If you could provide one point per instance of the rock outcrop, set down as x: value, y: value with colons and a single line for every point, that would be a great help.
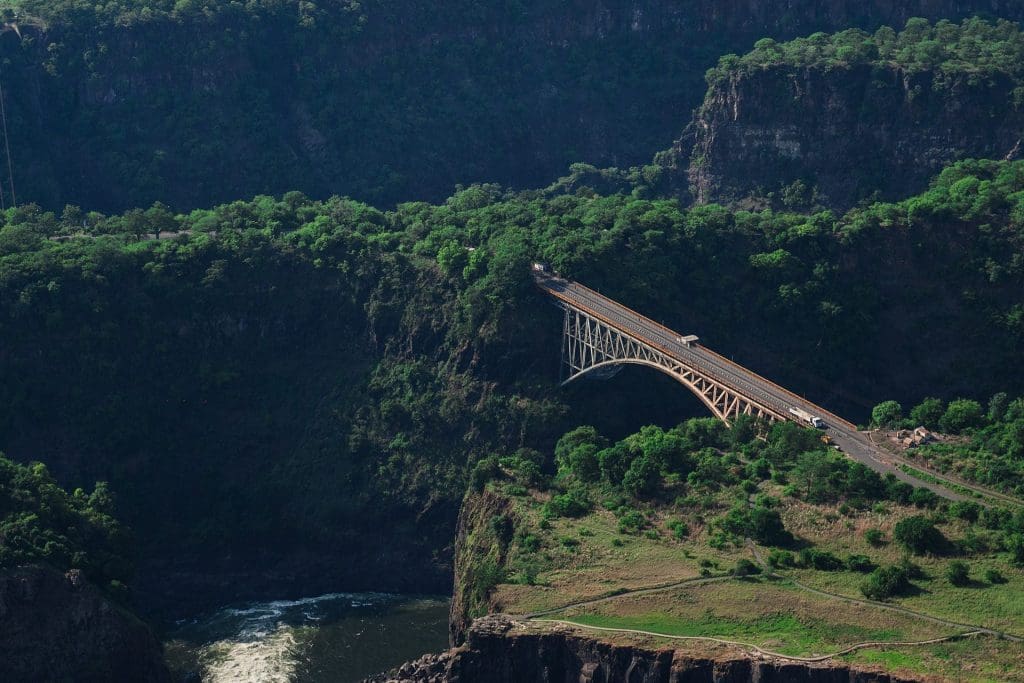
x: 478, y: 542
x: 58, y: 627
x: 846, y: 133
x: 501, y: 650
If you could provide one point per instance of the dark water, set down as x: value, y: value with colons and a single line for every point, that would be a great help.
x: 333, y: 638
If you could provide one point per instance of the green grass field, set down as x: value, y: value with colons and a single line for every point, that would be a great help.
x: 590, y: 558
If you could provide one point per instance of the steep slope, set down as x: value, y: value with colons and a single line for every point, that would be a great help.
x: 56, y: 627
x: 835, y: 120
x: 381, y: 101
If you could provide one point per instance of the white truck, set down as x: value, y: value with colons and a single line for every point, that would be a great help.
x: 807, y: 418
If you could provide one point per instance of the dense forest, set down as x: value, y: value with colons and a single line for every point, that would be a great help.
x: 381, y: 101
x: 41, y: 522
x: 275, y: 377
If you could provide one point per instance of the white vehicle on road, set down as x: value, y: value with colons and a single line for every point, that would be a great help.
x: 806, y: 417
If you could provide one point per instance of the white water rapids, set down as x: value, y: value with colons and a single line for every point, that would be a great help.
x: 337, y: 637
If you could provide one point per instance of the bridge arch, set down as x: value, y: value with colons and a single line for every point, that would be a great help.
x: 715, y: 410
x: 589, y: 344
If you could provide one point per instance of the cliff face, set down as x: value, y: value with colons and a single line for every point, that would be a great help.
x: 499, y: 650
x: 381, y: 101
x: 56, y: 627
x: 480, y: 548
x: 847, y: 133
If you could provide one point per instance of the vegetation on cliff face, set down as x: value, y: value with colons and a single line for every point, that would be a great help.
x: 42, y: 523
x: 287, y: 373
x: 838, y: 120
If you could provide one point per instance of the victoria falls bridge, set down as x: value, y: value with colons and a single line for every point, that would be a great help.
x: 599, y: 332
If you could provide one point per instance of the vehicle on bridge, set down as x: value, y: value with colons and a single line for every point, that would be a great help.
x: 806, y: 417
x: 688, y: 340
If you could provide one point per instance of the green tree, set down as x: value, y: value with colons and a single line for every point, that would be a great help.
x: 642, y: 478
x: 886, y: 582
x: 962, y: 414
x: 918, y: 535
x: 886, y: 414
x: 928, y: 412
x: 997, y: 406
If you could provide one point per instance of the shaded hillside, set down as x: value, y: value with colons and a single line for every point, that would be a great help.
x: 380, y: 101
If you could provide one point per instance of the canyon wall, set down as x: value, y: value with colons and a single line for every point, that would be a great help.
x: 381, y: 101
x: 845, y: 133
x: 501, y: 650
x: 57, y: 627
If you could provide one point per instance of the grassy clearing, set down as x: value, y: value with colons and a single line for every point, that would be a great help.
x: 600, y: 560
x: 999, y: 606
x: 576, y: 560
x: 762, y: 612
x: 971, y: 659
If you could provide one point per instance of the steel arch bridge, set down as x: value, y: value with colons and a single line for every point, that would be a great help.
x: 589, y: 344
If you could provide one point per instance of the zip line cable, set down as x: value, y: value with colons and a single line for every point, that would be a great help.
x: 7, y: 145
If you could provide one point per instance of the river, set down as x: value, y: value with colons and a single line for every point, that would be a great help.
x: 335, y: 638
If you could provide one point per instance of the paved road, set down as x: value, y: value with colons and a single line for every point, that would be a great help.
x: 754, y: 387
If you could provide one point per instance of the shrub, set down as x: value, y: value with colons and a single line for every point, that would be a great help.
x: 994, y: 576
x: 745, y: 567
x: 924, y: 498
x: 529, y: 543
x: 896, y: 490
x: 1015, y: 544
x: 820, y: 559
x: 918, y: 535
x: 632, y: 522
x: 573, y: 503
x: 885, y: 582
x: 759, y: 469
x: 483, y: 472
x: 502, y: 526
x: 528, y: 574
x: 874, y: 537
x: 781, y: 558
x: 958, y: 573
x: 965, y: 509
x: 618, y: 542
x: 678, y: 528
x: 569, y: 541
x: 860, y: 563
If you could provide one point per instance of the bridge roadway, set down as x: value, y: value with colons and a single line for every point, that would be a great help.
x: 739, y: 379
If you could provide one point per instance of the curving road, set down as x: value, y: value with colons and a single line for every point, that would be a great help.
x: 741, y: 380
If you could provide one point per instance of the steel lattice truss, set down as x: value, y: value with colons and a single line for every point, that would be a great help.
x: 589, y: 343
